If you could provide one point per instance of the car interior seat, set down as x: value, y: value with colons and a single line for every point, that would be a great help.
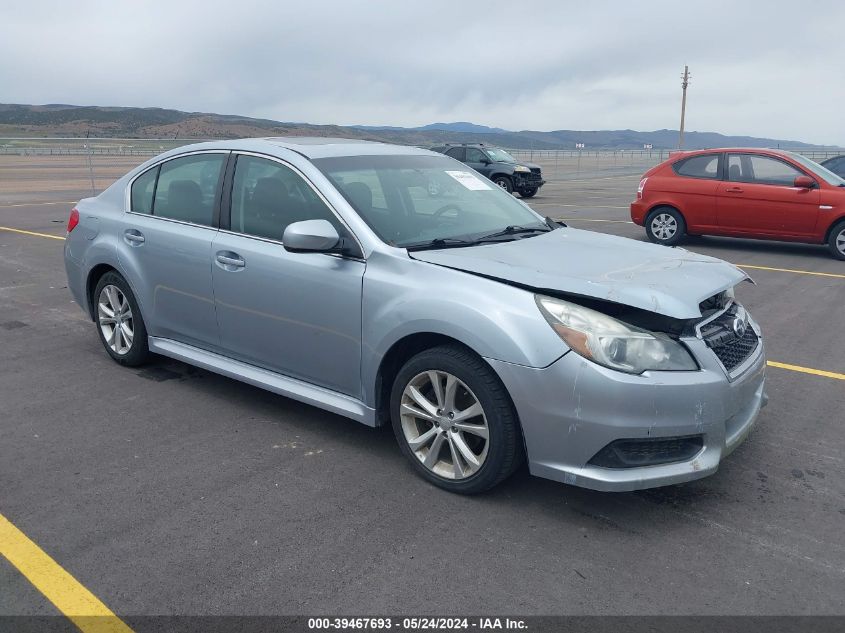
x: 265, y: 212
x: 184, y: 202
x: 734, y: 173
x: 361, y: 196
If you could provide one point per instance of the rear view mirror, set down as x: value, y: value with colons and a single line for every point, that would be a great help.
x: 310, y: 236
x: 804, y: 182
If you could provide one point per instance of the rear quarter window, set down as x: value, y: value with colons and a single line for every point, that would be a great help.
x: 141, y: 200
x: 706, y: 166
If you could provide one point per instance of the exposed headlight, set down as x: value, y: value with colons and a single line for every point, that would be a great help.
x: 522, y: 168
x: 612, y: 343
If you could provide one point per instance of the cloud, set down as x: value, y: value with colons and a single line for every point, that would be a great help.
x: 757, y: 69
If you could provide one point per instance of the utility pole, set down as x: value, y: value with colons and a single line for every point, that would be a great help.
x: 90, y: 165
x: 684, y: 85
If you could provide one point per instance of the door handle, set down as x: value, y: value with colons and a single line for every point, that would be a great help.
x: 734, y: 190
x: 229, y: 260
x: 133, y: 237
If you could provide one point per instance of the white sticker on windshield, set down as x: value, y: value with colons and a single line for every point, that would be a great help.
x: 468, y: 180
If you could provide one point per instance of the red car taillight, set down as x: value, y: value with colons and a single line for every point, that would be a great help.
x: 73, y: 220
x: 640, y: 189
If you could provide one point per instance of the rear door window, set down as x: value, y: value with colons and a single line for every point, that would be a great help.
x: 458, y: 153
x: 187, y: 188
x: 706, y: 166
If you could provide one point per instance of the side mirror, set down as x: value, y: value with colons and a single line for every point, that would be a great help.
x: 310, y: 236
x: 804, y: 182
x: 485, y: 161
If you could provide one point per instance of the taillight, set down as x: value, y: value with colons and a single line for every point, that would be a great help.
x: 73, y: 220
x: 640, y: 189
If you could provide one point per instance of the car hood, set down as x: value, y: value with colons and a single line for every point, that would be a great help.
x: 526, y: 164
x: 668, y: 281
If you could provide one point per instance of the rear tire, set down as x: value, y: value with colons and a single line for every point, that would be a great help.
x: 119, y: 322
x: 504, y: 182
x: 463, y: 434
x: 836, y: 241
x: 665, y: 225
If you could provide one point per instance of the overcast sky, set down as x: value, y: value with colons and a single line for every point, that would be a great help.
x: 771, y: 69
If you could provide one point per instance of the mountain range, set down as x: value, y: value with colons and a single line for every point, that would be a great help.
x: 19, y: 120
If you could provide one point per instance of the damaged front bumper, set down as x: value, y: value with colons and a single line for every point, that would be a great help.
x: 573, y: 409
x: 527, y: 181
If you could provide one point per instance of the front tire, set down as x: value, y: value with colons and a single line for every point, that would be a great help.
x: 665, y: 225
x: 454, y: 420
x: 836, y: 241
x: 119, y: 323
x: 504, y: 182
x: 529, y: 193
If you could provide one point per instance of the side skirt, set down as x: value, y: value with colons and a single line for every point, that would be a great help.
x: 277, y: 383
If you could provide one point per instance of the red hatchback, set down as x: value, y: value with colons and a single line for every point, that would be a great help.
x: 754, y: 193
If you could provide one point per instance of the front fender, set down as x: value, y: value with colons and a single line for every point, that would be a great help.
x: 403, y: 296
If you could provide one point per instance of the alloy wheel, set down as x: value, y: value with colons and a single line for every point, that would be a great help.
x: 444, y: 424
x: 114, y: 316
x: 840, y: 242
x: 664, y: 226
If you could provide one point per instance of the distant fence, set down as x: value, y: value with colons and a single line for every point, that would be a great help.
x: 77, y: 151
x: 656, y: 155
x: 151, y: 147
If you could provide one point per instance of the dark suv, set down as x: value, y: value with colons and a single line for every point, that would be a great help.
x: 499, y: 166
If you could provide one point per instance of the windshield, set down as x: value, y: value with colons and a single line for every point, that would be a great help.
x: 500, y: 156
x: 822, y: 172
x: 409, y: 200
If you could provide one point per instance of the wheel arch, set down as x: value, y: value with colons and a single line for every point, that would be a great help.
x: 498, y: 174
x: 94, y: 275
x: 409, y: 346
x: 836, y: 222
x: 93, y: 278
x: 664, y: 205
x: 396, y: 356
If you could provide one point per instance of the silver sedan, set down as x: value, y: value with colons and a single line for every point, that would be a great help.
x: 394, y: 285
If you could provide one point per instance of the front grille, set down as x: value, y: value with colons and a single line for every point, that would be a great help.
x: 733, y: 353
x: 720, y: 336
x: 535, y: 170
x: 632, y: 453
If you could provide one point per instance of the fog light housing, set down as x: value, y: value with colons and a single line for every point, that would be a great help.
x: 651, y: 451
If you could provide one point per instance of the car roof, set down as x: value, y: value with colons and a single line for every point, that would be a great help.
x: 309, y: 146
x: 741, y: 150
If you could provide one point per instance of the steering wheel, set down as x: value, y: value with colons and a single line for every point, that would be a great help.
x: 445, y: 208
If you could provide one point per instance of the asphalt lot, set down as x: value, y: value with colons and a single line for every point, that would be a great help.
x: 171, y: 490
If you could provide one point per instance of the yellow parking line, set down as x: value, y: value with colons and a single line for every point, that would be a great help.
x: 594, y: 220
x: 78, y: 604
x: 807, y: 370
x: 791, y: 270
x: 52, y: 237
x: 574, y: 206
x: 780, y: 270
x: 36, y: 204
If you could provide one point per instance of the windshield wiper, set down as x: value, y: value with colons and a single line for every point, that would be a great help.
x: 513, y: 229
x: 457, y: 242
x: 440, y: 242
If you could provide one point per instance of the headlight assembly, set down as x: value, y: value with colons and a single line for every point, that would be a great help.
x: 612, y: 343
x: 522, y: 168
